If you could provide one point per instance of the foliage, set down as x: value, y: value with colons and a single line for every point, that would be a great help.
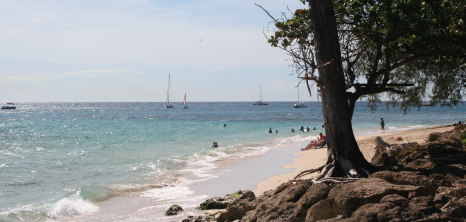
x: 463, y: 137
x: 384, y: 42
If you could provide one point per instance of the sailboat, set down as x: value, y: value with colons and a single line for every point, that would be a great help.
x: 168, y: 104
x: 260, y: 99
x: 185, y: 105
x: 299, y: 104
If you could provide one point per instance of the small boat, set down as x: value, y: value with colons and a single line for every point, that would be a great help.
x: 426, y: 103
x: 260, y: 99
x: 299, y: 104
x: 9, y: 106
x: 185, y: 105
x: 168, y: 104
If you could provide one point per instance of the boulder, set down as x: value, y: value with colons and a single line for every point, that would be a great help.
x: 222, y: 202
x: 281, y: 206
x: 173, y: 210
x: 420, y: 207
x: 235, y: 210
x: 437, y: 150
x: 214, y: 203
x: 382, y: 212
x: 201, y: 218
x: 395, y: 199
x: 324, y: 209
x: 349, y: 197
x: 313, y: 195
x: 455, y: 169
x: 455, y: 209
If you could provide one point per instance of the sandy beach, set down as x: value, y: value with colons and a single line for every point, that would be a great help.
x: 317, y: 157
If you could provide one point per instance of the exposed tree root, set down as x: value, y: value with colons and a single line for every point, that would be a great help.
x: 324, y: 176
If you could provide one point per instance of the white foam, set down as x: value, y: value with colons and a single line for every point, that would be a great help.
x: 168, y: 193
x: 71, y: 206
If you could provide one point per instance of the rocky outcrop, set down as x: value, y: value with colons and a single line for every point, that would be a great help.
x: 424, y: 183
x: 173, y: 210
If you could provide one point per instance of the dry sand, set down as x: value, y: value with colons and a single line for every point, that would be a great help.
x: 317, y: 157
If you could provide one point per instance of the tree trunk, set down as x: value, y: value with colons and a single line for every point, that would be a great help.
x: 343, y: 151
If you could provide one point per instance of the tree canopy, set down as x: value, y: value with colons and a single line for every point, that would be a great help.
x: 385, y: 43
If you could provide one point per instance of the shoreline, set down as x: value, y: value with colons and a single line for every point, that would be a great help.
x: 314, y: 158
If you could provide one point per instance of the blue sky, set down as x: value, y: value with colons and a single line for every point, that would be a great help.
x: 122, y: 51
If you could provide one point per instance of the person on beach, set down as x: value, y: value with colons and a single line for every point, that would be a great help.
x: 270, y: 130
x: 320, y: 140
x: 382, y: 124
x: 215, y: 145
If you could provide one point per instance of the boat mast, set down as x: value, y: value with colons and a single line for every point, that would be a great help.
x: 168, y: 90
x: 260, y: 93
x: 298, y: 93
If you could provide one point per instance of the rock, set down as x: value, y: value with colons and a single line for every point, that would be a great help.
x: 313, y: 195
x: 350, y: 197
x: 395, y: 199
x: 222, y: 202
x: 421, y: 206
x: 404, y: 178
x: 236, y: 210
x: 282, y: 206
x: 455, y: 208
x: 173, y: 210
x: 214, y: 203
x: 324, y: 209
x: 243, y: 194
x: 377, y: 212
x: 202, y: 218
x: 455, y: 169
x: 436, y: 150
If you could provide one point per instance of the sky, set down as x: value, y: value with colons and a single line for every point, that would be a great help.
x: 124, y: 50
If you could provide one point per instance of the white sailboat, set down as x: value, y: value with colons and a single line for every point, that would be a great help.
x: 168, y: 104
x: 260, y: 99
x: 299, y: 104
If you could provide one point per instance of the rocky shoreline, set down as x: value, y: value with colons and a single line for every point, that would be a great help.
x: 415, y: 183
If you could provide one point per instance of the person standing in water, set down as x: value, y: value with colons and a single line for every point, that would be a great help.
x: 382, y: 124
x: 270, y: 130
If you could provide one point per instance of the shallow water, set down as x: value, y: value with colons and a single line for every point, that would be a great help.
x: 62, y: 160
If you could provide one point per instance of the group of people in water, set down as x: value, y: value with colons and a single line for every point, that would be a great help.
x: 302, y: 129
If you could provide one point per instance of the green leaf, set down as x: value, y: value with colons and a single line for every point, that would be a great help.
x: 463, y: 137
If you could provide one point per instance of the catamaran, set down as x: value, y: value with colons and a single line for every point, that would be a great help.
x: 299, y: 104
x: 168, y: 104
x: 185, y: 105
x: 260, y: 99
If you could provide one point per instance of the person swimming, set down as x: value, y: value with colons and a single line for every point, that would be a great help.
x: 292, y: 130
x: 270, y: 130
x: 215, y: 145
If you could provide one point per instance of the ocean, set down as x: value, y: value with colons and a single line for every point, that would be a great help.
x: 131, y: 161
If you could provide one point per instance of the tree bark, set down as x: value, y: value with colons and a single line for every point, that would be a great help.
x: 343, y: 151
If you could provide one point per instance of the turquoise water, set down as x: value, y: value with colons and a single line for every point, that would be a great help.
x: 62, y: 160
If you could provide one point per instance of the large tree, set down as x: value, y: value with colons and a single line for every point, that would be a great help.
x: 362, y: 48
